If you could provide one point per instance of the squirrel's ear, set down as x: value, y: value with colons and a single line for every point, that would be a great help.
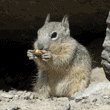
x: 47, y: 19
x: 65, y: 22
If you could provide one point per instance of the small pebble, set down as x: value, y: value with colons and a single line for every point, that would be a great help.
x: 1, y: 91
x: 84, y: 101
x: 66, y: 107
x: 77, y: 100
x: 20, y: 92
x: 26, y: 97
x: 16, y: 96
x: 53, y: 98
x: 12, y: 92
x: 106, y: 97
x: 94, y: 100
x: 72, y: 102
x: 97, y: 104
x: 6, y: 95
x: 62, y: 99
x: 16, y: 108
x: 108, y: 102
x: 91, y: 103
x: 99, y: 101
x: 73, y: 108
x: 0, y: 98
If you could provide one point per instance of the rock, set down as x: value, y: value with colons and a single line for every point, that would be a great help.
x: 94, y: 88
x: 106, y: 97
x: 94, y: 100
x: 62, y: 99
x: 72, y: 101
x: 84, y: 101
x: 73, y: 108
x: 106, y: 52
x: 27, y: 95
x: 12, y: 92
x: 16, y: 108
x: 12, y: 107
x: 6, y: 95
x: 66, y: 107
x: 16, y: 96
x: 1, y: 91
x: 0, y: 98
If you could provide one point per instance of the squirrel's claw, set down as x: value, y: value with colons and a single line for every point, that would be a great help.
x: 46, y: 55
x: 31, y: 55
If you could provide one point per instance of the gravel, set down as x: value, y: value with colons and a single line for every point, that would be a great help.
x: 96, y: 96
x: 90, y: 98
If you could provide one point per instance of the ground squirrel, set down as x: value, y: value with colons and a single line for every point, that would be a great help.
x: 64, y: 66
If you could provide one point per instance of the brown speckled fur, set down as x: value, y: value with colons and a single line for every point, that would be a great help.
x: 69, y: 68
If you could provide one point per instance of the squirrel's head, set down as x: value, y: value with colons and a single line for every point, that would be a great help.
x: 52, y: 32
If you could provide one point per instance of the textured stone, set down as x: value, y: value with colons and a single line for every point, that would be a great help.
x: 66, y: 107
x: 94, y: 88
x: 106, y: 52
x: 106, y: 55
x: 6, y: 95
x: 84, y: 101
x: 108, y: 19
x: 106, y: 44
x: 105, y: 63
x: 107, y: 34
x: 94, y: 100
x: 106, y: 97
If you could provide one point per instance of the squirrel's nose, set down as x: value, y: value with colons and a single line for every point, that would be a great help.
x: 40, y: 46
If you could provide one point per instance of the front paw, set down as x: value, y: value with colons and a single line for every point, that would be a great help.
x: 46, y: 56
x: 31, y: 55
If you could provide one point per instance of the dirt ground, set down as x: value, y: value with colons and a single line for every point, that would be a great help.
x: 23, y: 100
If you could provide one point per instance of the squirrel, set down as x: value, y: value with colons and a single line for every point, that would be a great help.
x: 64, y: 66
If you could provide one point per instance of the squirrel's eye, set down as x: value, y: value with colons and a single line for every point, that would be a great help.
x: 54, y: 36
